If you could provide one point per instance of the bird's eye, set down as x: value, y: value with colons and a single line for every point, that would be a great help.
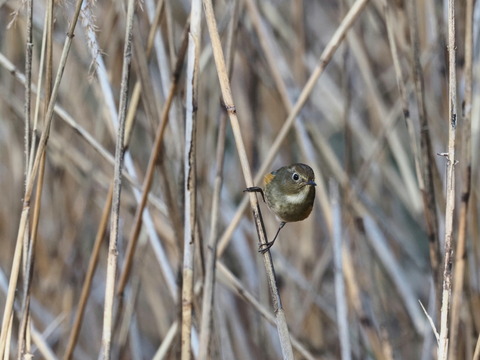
x: 295, y: 176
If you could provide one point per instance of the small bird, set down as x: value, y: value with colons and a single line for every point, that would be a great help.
x: 289, y: 192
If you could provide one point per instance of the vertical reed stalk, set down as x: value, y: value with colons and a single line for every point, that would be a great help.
x: 450, y: 205
x: 190, y: 218
x: 117, y: 189
x: 466, y: 163
x: 206, y: 328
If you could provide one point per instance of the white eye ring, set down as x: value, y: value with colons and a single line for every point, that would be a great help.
x: 295, y: 177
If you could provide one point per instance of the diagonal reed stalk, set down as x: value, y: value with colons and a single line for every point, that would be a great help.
x: 92, y: 265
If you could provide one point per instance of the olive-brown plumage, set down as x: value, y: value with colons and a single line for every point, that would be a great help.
x: 289, y: 193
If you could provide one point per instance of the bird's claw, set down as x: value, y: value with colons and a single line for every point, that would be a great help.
x: 263, y: 248
x: 255, y: 189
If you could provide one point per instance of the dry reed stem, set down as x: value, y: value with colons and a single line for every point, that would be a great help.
x: 144, y: 86
x: 30, y: 239
x: 62, y: 113
x: 385, y: 119
x: 137, y: 90
x: 476, y: 354
x: 226, y: 276
x: 70, y: 121
x: 126, y: 328
x: 396, y: 273
x: 59, y: 111
x: 9, y: 336
x: 289, y: 271
x: 466, y: 163
x: 117, y: 188
x: 51, y: 104
x: 92, y: 265
x: 46, y: 48
x: 163, y: 61
x: 431, y: 322
x: 31, y: 178
x: 131, y: 173
x: 38, y: 338
x: 321, y: 267
x: 42, y: 345
x: 140, y: 66
x: 389, y: 20
x: 211, y: 249
x: 167, y: 342
x: 28, y: 83
x: 267, y: 47
x: 154, y: 156
x: 426, y: 153
x: 29, y: 248
x: 375, y: 153
x: 12, y: 285
x: 450, y: 205
x: 355, y: 298
x: 190, y: 155
x: 340, y: 294
x: 206, y: 326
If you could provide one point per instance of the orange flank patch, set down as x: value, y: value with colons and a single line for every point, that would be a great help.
x: 267, y: 178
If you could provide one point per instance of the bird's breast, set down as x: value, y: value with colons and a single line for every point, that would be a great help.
x: 297, y: 198
x: 292, y: 207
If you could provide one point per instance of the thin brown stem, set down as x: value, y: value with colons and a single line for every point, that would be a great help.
x: 92, y: 265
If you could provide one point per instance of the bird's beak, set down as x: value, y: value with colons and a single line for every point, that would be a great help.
x: 311, y: 182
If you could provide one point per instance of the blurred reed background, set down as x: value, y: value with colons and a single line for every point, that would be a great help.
x: 351, y: 277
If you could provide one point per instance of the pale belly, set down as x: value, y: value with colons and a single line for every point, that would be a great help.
x: 293, y: 207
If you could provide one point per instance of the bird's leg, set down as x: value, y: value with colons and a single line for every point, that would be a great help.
x: 263, y: 248
x: 255, y: 189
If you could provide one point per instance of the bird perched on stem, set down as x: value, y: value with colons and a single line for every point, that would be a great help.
x: 289, y: 192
